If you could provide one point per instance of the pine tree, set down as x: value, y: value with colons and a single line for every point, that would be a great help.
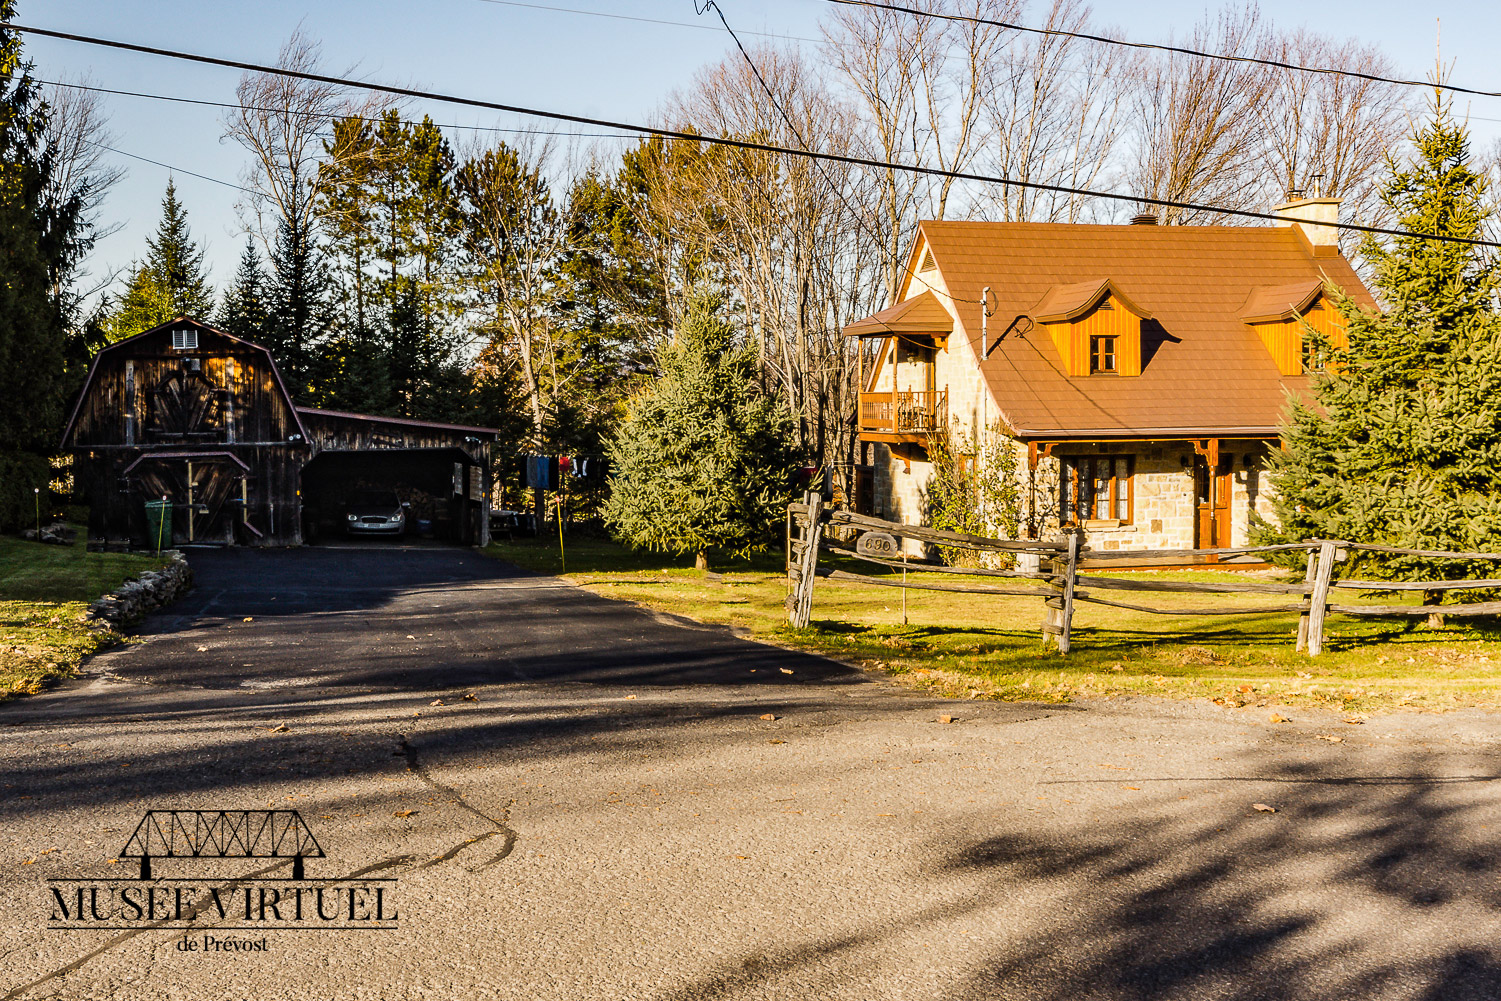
x: 170, y: 282
x: 704, y: 459
x: 244, y: 312
x: 1401, y: 444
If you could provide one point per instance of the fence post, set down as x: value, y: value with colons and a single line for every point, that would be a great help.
x: 807, y: 563
x: 1308, y: 578
x: 1318, y: 602
x: 1058, y: 616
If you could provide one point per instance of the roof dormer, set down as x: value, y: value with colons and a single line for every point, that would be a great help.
x: 1095, y: 327
x: 1281, y: 314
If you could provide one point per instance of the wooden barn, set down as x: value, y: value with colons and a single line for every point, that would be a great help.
x: 190, y: 414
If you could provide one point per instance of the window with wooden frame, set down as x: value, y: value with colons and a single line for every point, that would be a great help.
x: 1102, y: 356
x: 1096, y: 488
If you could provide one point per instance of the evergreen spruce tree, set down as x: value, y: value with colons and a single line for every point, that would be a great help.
x: 299, y: 317
x: 1401, y: 444
x: 244, y: 311
x: 704, y: 458
x: 170, y: 282
x: 40, y: 241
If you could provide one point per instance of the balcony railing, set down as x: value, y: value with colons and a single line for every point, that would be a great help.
x: 904, y: 412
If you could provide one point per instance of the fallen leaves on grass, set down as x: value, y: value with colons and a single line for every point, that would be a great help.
x: 1262, y: 807
x: 437, y: 702
x: 1279, y: 718
x: 405, y: 813
x: 471, y: 697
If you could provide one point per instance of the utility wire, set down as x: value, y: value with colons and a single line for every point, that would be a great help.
x: 1180, y: 50
x: 362, y: 118
x: 666, y: 133
x: 643, y: 20
x: 168, y: 166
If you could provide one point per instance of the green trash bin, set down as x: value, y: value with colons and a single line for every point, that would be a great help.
x: 158, y: 524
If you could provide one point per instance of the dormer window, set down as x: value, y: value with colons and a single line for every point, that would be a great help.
x: 1094, y: 326
x: 1282, y: 315
x: 185, y: 339
x: 1102, y: 356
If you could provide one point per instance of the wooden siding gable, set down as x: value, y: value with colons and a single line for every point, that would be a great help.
x: 143, y: 392
x: 1111, y: 315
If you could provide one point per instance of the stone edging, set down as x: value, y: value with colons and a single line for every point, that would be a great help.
x: 148, y: 592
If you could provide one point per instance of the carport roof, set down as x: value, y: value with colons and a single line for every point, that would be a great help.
x: 348, y: 415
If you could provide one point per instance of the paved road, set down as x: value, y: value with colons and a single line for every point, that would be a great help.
x: 611, y: 818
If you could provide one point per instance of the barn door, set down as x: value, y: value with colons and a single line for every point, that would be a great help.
x: 200, y: 492
x: 1212, y: 524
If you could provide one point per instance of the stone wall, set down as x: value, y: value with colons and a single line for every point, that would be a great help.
x: 148, y: 592
x: 1163, y: 503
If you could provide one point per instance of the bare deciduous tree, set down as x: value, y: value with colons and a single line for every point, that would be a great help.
x: 1328, y: 134
x: 1197, y: 132
x: 78, y: 135
x: 1055, y: 111
x: 282, y: 122
x: 921, y: 86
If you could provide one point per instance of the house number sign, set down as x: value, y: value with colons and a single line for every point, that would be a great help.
x: 877, y: 544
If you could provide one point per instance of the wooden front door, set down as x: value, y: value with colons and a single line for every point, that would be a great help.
x: 1212, y: 523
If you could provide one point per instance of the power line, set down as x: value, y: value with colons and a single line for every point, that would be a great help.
x: 643, y: 20
x: 168, y: 166
x: 362, y: 118
x: 666, y: 133
x: 1180, y: 50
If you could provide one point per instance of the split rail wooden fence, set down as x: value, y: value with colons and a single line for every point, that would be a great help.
x: 1061, y: 584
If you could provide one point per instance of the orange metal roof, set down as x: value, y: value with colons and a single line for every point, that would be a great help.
x: 922, y: 314
x: 1069, y: 302
x: 1279, y: 302
x: 1204, y: 370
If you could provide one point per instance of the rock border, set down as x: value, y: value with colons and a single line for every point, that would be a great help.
x: 151, y: 590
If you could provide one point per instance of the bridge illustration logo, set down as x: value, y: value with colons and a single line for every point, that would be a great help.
x: 222, y: 834
x: 263, y: 900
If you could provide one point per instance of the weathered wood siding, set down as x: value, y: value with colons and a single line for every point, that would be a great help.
x: 147, y: 393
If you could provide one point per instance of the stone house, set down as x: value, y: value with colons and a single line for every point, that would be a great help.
x: 1140, y: 372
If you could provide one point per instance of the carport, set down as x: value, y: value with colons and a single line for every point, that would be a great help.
x: 440, y: 470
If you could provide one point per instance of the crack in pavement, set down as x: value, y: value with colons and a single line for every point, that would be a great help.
x: 501, y: 825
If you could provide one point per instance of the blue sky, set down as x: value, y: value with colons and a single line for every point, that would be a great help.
x: 551, y: 59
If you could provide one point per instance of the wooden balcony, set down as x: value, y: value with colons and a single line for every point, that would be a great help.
x: 904, y: 415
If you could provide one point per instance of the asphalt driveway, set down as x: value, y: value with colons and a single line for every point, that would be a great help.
x: 579, y: 799
x: 425, y: 619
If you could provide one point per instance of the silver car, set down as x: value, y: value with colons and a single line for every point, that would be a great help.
x: 375, y: 512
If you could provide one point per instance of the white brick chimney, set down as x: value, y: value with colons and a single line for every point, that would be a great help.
x: 1313, y: 216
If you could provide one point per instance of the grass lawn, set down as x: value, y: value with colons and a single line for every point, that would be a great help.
x: 44, y: 591
x: 989, y: 646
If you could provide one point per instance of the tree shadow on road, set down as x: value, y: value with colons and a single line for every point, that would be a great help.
x: 1358, y: 887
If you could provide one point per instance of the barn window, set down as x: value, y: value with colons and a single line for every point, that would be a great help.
x: 185, y: 339
x: 1096, y: 488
